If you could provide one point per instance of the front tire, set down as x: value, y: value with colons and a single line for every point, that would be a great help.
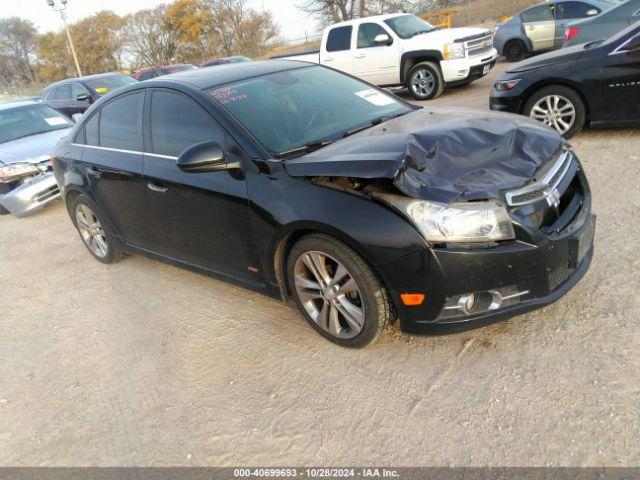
x: 95, y: 233
x: 558, y: 107
x: 337, y: 292
x: 425, y: 81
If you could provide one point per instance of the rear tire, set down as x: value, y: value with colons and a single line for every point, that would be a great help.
x: 95, y: 232
x: 563, y: 106
x: 337, y: 292
x: 515, y: 51
x: 425, y: 81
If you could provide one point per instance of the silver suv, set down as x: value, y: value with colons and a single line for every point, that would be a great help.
x: 541, y: 27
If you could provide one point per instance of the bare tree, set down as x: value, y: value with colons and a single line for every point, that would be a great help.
x: 18, y: 48
x: 334, y: 11
x: 149, y: 37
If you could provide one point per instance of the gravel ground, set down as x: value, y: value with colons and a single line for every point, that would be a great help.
x: 142, y: 364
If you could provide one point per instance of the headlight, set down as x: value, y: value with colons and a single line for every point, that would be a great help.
x: 16, y: 170
x: 504, y: 85
x: 477, y: 222
x: 453, y: 50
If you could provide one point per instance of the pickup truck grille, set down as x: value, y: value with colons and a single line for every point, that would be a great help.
x: 479, y: 46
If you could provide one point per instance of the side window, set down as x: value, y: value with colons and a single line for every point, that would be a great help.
x: 146, y: 76
x: 177, y: 123
x: 91, y: 130
x: 119, y: 123
x: 339, y: 39
x: 541, y: 13
x: 63, y: 92
x: 77, y: 89
x: 367, y: 33
x: 570, y: 10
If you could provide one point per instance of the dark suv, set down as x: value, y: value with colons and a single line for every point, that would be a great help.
x: 74, y: 95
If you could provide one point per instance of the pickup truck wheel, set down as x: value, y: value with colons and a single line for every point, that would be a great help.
x: 425, y: 81
x: 337, y: 292
x: 558, y: 107
x: 515, y: 51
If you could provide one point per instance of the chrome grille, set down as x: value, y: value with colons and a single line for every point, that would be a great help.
x: 546, y: 188
x: 479, y: 46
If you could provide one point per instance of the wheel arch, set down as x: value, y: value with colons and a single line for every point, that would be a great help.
x: 292, y: 233
x: 562, y: 82
x: 410, y: 59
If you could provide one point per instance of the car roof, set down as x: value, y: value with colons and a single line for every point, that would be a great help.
x: 207, y: 77
x: 85, y: 78
x: 17, y: 103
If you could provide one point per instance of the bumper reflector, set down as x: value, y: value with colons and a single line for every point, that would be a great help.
x: 412, y: 299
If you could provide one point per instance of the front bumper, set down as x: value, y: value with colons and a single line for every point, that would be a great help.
x: 510, y: 101
x: 32, y: 195
x: 465, y: 70
x: 545, y: 270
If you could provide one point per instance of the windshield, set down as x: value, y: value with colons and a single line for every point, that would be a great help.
x: 30, y: 120
x: 407, y: 26
x: 104, y: 85
x: 290, y: 109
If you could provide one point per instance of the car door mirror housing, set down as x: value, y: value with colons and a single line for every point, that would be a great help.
x: 76, y: 117
x: 204, y: 157
x: 382, y: 39
x: 83, y: 97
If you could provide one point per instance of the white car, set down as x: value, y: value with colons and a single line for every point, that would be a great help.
x: 404, y: 50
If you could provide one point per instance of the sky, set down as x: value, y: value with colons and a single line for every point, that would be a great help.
x: 293, y: 23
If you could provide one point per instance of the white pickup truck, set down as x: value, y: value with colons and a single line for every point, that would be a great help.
x: 404, y: 50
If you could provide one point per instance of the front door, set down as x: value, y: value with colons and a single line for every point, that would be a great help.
x: 204, y: 217
x: 336, y: 52
x: 620, y: 84
x: 377, y: 64
x: 113, y: 160
x: 539, y: 26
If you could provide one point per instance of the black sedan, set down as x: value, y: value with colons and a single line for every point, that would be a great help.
x: 596, y: 83
x: 302, y: 182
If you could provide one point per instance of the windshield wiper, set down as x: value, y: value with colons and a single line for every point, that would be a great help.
x: 308, y: 148
x: 372, y: 123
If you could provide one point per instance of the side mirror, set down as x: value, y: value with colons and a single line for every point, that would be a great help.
x: 204, y: 157
x: 83, y: 97
x: 76, y: 117
x: 382, y: 39
x: 592, y: 13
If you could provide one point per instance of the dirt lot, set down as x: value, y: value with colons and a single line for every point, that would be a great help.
x: 141, y: 363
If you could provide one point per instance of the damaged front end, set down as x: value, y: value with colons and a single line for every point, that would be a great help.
x: 26, y: 187
x: 502, y: 204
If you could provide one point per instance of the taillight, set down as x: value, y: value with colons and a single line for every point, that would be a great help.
x: 54, y: 159
x: 570, y: 33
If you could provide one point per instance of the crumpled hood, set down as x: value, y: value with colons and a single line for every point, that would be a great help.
x: 438, y: 38
x: 440, y: 154
x: 562, y: 55
x: 32, y: 149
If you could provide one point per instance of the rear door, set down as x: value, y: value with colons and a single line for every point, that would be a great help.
x: 539, y: 26
x: 620, y: 84
x: 61, y: 99
x: 336, y: 52
x: 377, y: 64
x: 113, y: 160
x: 568, y: 12
x: 204, y: 216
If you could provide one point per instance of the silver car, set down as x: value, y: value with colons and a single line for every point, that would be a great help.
x: 29, y: 132
x: 542, y: 27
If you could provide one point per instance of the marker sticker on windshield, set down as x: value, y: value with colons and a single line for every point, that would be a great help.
x: 376, y: 98
x: 53, y: 121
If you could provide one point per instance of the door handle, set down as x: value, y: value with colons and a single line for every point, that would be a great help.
x: 154, y: 187
x: 531, y: 28
x: 360, y: 55
x: 328, y: 59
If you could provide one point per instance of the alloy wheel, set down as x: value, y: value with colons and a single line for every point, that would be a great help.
x: 555, y: 111
x: 329, y: 294
x: 423, y: 82
x: 91, y: 231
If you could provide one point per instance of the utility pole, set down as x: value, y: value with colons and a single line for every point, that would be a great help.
x: 61, y: 10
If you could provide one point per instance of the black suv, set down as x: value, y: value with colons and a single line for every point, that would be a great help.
x: 305, y: 183
x: 74, y: 95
